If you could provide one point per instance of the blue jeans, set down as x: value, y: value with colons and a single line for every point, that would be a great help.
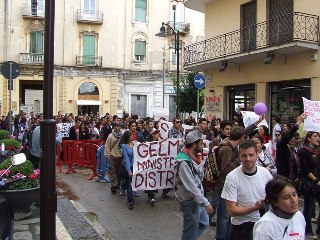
x: 195, y: 221
x: 127, y: 186
x: 223, y: 219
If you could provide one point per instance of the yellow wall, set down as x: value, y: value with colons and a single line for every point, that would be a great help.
x: 67, y: 93
x: 307, y: 6
x: 298, y: 66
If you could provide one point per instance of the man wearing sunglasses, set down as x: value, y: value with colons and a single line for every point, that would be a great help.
x: 176, y: 131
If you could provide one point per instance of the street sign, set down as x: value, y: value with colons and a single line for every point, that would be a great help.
x: 199, y: 81
x: 10, y: 69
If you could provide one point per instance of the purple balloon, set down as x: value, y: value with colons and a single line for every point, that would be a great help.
x: 260, y: 108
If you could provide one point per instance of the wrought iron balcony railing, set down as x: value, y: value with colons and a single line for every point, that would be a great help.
x: 184, y: 28
x: 31, y: 58
x: 89, y: 60
x: 289, y: 28
x: 90, y: 16
x: 33, y: 11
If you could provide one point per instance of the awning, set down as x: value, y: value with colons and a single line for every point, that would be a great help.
x: 88, y: 102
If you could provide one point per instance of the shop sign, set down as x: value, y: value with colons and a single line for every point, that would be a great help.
x: 169, y: 90
x: 213, y: 103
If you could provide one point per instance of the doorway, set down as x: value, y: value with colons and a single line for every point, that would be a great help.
x: 139, y: 105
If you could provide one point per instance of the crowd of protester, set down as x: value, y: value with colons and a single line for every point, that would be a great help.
x: 257, y: 165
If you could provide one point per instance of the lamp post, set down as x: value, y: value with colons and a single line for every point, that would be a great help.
x: 162, y: 33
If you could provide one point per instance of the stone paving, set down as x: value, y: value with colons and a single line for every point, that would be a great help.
x: 70, y: 223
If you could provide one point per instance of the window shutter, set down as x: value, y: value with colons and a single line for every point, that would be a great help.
x: 141, y: 10
x: 140, y: 48
x: 36, y: 42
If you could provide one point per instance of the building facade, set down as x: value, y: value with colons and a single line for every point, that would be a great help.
x: 265, y: 51
x: 107, y: 57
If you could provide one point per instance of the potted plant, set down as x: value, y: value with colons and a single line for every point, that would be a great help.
x: 4, y: 134
x: 23, y: 193
x: 11, y: 144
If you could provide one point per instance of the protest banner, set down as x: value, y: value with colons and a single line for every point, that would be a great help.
x: 153, y: 164
x: 251, y: 117
x: 312, y: 112
x: 64, y: 128
x: 158, y: 112
x: 164, y: 127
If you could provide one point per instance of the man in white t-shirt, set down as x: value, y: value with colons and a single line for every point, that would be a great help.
x: 244, y: 192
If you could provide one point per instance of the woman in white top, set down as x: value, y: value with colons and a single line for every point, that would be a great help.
x: 283, y: 220
x: 264, y: 157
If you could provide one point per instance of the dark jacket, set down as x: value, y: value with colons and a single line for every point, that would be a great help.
x: 227, y: 160
x: 307, y: 162
x: 283, y: 154
x: 73, y: 133
x: 105, y: 131
x: 84, y: 134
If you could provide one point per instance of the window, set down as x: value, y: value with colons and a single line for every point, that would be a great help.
x: 37, y: 7
x: 174, y: 54
x: 90, y: 9
x: 89, y: 49
x: 174, y: 58
x: 140, y: 51
x: 286, y: 98
x: 88, y: 88
x: 241, y: 98
x: 141, y: 10
x: 36, y: 104
x: 90, y: 5
x: 36, y: 42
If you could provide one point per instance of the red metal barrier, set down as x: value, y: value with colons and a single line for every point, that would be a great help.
x: 58, y: 153
x: 82, y: 154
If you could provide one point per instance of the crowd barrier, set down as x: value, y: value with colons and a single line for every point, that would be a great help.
x: 81, y: 153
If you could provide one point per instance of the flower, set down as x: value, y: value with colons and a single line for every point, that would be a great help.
x: 31, y: 178
x: 6, y: 174
x: 11, y: 144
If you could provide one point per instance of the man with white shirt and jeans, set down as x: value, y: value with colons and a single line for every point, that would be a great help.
x: 244, y: 192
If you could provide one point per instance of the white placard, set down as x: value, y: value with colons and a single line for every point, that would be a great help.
x: 251, y: 117
x: 312, y: 112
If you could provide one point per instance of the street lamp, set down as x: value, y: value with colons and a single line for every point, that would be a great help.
x: 163, y: 33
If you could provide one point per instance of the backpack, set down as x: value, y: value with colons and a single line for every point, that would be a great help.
x: 193, y: 170
x: 212, y: 171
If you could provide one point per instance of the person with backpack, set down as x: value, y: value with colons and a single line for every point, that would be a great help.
x: 113, y: 155
x: 188, y: 188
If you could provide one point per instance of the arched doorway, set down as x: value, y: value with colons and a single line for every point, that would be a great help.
x: 88, y: 98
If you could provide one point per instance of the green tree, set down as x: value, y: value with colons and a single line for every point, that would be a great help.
x: 188, y: 92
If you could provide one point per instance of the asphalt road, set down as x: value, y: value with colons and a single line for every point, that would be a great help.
x: 144, y: 222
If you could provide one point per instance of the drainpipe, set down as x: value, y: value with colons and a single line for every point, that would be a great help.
x: 124, y: 55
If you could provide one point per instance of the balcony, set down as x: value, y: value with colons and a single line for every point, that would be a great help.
x: 184, y: 28
x: 91, y: 61
x: 33, y: 11
x: 198, y: 5
x: 289, y: 34
x: 31, y: 58
x: 89, y: 16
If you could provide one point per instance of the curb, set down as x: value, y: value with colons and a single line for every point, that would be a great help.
x: 61, y: 231
x: 103, y: 233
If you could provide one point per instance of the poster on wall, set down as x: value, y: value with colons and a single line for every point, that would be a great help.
x: 213, y: 103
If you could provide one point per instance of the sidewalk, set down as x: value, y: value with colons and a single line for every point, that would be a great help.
x: 72, y: 222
